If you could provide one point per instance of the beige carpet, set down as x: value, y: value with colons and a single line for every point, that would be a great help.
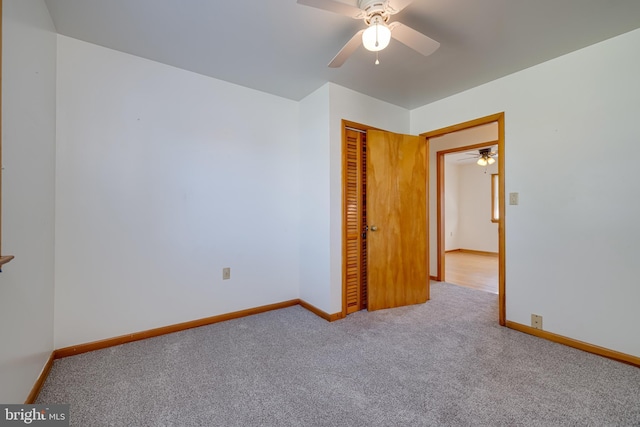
x: 443, y: 363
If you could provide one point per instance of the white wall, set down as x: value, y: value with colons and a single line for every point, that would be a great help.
x: 164, y: 177
x: 571, y: 151
x: 28, y: 138
x: 451, y: 209
x: 314, y: 200
x: 476, y: 231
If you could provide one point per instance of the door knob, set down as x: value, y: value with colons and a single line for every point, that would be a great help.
x: 374, y: 228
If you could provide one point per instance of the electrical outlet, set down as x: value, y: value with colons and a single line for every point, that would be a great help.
x: 536, y: 321
x: 226, y: 273
x: 513, y: 198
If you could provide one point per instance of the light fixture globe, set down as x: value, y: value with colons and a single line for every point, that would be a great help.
x: 377, y: 36
x: 482, y: 161
x: 491, y: 160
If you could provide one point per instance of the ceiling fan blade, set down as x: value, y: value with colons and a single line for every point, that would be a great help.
x: 396, y: 6
x: 335, y: 7
x: 347, y: 50
x: 413, y: 39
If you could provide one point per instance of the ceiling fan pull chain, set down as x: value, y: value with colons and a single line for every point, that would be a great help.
x: 377, y: 60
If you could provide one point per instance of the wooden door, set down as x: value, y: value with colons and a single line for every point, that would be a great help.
x: 396, y: 204
x: 355, y: 217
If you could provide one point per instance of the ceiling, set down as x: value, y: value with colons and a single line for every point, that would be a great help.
x: 282, y: 48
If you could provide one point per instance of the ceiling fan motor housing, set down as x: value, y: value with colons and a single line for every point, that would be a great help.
x: 374, y: 8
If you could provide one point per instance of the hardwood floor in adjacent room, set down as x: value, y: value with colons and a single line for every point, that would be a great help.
x: 477, y: 271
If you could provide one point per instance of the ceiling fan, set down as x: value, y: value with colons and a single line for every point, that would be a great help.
x: 485, y: 156
x: 379, y: 31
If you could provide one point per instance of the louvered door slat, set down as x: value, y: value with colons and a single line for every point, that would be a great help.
x: 353, y: 224
x: 363, y: 209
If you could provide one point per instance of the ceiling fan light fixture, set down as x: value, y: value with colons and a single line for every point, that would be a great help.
x: 377, y: 36
x: 491, y: 160
x: 482, y: 161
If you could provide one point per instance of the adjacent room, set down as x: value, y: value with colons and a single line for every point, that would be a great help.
x: 471, y: 231
x: 464, y: 182
x: 175, y: 204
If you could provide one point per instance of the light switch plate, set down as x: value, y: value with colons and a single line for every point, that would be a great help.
x: 513, y: 198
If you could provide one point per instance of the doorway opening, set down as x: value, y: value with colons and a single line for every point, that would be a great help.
x: 437, y: 141
x: 468, y: 212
